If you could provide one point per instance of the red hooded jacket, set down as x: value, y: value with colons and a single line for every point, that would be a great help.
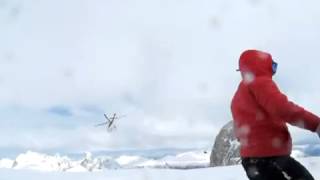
x: 260, y: 111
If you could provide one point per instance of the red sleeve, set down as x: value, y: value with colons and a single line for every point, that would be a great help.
x: 276, y: 103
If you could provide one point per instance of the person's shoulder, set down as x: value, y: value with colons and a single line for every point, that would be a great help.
x: 260, y: 79
x: 261, y: 82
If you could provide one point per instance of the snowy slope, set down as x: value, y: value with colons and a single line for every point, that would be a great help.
x: 89, y: 162
x: 218, y: 173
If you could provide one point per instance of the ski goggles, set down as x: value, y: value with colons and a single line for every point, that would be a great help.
x: 274, y: 67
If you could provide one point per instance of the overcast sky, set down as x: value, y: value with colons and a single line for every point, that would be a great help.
x: 168, y: 65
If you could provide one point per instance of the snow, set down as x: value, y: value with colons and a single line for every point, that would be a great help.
x: 41, y: 162
x: 90, y: 163
x: 136, y: 174
x: 129, y: 160
x: 186, y: 165
x: 47, y: 163
x: 298, y: 154
x: 248, y: 77
x: 6, y: 163
x: 181, y: 161
x: 221, y: 173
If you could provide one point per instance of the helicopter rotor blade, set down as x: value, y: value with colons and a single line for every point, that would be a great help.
x: 101, y: 124
x: 110, y: 124
x: 119, y: 117
x: 105, y: 115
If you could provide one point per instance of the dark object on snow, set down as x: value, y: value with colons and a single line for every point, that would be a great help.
x: 226, y: 149
x: 280, y: 168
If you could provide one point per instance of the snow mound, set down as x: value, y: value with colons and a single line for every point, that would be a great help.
x: 130, y: 161
x: 6, y: 163
x: 198, y: 159
x: 42, y: 162
x: 298, y: 154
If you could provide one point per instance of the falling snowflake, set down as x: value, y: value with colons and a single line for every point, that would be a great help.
x: 253, y: 171
x: 277, y: 143
x: 248, y: 77
x: 244, y: 130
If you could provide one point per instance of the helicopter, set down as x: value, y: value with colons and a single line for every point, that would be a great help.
x: 110, y: 123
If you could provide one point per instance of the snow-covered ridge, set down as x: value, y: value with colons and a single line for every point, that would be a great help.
x: 126, y: 160
x: 42, y: 162
x: 220, y: 173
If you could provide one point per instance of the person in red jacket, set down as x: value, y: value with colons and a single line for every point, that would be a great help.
x: 261, y: 113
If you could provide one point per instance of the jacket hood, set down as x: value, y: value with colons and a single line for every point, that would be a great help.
x: 257, y: 62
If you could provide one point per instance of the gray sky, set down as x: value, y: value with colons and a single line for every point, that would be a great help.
x: 169, y: 65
